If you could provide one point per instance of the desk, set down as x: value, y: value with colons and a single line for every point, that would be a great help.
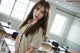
x: 47, y: 47
x: 9, y: 41
x: 50, y: 44
x: 11, y: 48
x: 10, y: 44
x: 4, y: 24
x: 9, y: 30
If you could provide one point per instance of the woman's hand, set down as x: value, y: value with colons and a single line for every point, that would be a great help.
x: 27, y: 52
x: 30, y: 50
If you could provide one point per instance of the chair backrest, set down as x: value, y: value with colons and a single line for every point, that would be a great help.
x: 14, y: 35
x: 65, y: 49
x: 55, y: 44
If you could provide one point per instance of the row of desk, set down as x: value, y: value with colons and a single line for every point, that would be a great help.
x: 7, y: 29
x: 46, y: 47
x: 4, y: 24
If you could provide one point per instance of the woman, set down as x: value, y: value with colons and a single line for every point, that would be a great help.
x: 33, y: 30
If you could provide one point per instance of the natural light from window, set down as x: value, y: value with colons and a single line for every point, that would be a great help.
x: 58, y: 24
x: 19, y: 10
x: 6, y: 6
x: 26, y: 2
x: 29, y: 9
x: 16, y: 8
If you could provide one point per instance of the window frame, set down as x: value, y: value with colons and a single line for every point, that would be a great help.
x: 63, y: 28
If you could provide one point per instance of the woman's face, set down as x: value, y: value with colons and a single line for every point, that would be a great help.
x: 38, y: 13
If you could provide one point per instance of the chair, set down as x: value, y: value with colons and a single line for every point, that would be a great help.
x: 55, y: 48
x: 65, y: 49
x: 55, y: 44
x: 14, y: 35
x: 58, y: 50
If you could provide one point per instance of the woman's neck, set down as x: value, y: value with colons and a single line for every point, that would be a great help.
x: 34, y: 21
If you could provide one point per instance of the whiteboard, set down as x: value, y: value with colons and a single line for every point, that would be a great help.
x: 74, y: 34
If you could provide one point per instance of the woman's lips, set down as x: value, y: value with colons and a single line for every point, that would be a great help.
x: 36, y: 16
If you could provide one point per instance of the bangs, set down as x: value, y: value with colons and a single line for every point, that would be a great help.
x: 40, y: 6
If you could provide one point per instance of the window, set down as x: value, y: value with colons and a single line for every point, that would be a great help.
x: 29, y: 9
x: 6, y: 6
x: 16, y: 9
x: 58, y: 25
x: 19, y: 10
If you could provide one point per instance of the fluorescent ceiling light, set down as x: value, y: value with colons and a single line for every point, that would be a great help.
x: 57, y: 1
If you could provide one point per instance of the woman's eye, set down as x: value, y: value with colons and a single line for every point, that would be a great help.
x: 42, y: 12
x: 37, y: 8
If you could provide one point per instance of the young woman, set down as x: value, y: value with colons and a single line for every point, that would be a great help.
x: 33, y: 30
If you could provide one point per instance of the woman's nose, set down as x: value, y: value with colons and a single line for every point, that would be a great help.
x: 38, y: 12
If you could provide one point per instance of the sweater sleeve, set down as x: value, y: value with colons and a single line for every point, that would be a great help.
x: 37, y: 39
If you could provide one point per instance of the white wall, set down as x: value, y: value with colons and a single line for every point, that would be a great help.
x: 73, y: 36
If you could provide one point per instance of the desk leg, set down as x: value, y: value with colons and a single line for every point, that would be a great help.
x: 4, y: 48
x: 9, y: 51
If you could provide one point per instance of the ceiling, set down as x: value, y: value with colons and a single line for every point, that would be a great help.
x: 73, y: 6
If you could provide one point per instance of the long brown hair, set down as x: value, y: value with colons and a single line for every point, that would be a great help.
x: 43, y: 22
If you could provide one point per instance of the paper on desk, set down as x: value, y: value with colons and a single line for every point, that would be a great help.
x: 9, y: 41
x: 12, y: 43
x: 12, y: 49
